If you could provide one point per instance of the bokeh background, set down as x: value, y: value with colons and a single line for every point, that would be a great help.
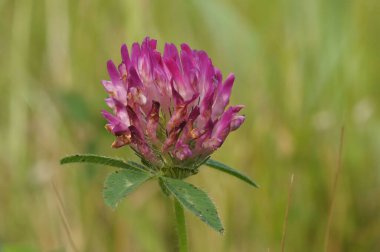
x: 304, y: 69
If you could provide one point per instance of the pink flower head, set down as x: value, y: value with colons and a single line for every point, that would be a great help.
x: 170, y: 108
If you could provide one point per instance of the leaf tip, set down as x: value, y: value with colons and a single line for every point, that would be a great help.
x: 62, y: 161
x: 254, y: 184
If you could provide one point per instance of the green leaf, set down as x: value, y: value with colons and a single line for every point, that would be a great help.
x: 195, y: 200
x: 90, y: 158
x: 163, y: 187
x: 121, y: 183
x: 224, y: 168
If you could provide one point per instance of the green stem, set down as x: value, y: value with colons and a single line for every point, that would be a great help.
x: 181, y: 226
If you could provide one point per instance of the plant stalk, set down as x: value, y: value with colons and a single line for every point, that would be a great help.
x: 181, y: 226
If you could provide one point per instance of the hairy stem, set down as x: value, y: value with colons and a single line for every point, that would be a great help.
x: 181, y: 226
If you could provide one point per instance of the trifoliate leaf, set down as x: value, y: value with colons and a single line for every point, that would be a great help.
x: 90, y: 158
x: 225, y: 168
x: 195, y: 200
x: 121, y: 183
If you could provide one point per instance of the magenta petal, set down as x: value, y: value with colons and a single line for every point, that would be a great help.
x: 149, y: 44
x: 133, y: 78
x: 121, y: 112
x: 182, y: 151
x: 180, y: 112
x: 218, y: 76
x: 227, y: 86
x: 212, y: 144
x: 222, y: 127
x: 173, y: 135
x: 153, y: 120
x: 110, y: 118
x: 194, y: 114
x: 178, y: 100
x: 186, y: 48
x: 171, y: 52
x: 120, y: 129
x: 125, y: 55
x: 133, y: 117
x: 137, y: 136
x: 236, y: 122
x: 189, y: 133
x: 135, y: 54
x: 110, y: 102
x: 122, y: 70
x: 206, y: 71
x: 187, y: 64
x: 223, y: 97
x: 174, y: 69
x: 109, y: 86
x: 114, y: 125
x: 139, y: 143
x: 207, y: 131
x: 177, y: 118
x: 153, y: 43
x: 181, y: 85
x: 237, y: 108
x: 112, y: 71
x: 206, y: 105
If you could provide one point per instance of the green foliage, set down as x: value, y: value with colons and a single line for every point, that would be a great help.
x: 225, y: 168
x: 121, y: 183
x: 195, y: 200
x: 90, y: 158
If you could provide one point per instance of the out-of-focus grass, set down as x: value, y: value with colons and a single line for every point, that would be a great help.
x: 304, y: 69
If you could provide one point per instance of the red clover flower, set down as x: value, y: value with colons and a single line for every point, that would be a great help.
x: 172, y: 111
x: 170, y: 108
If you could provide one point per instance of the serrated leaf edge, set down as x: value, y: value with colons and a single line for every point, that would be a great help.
x: 198, y: 214
x: 150, y: 176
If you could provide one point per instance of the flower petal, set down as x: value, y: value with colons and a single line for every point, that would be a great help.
x: 181, y: 92
x: 223, y: 97
x: 153, y: 119
x: 125, y: 55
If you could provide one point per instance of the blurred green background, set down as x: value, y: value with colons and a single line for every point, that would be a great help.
x: 303, y: 69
